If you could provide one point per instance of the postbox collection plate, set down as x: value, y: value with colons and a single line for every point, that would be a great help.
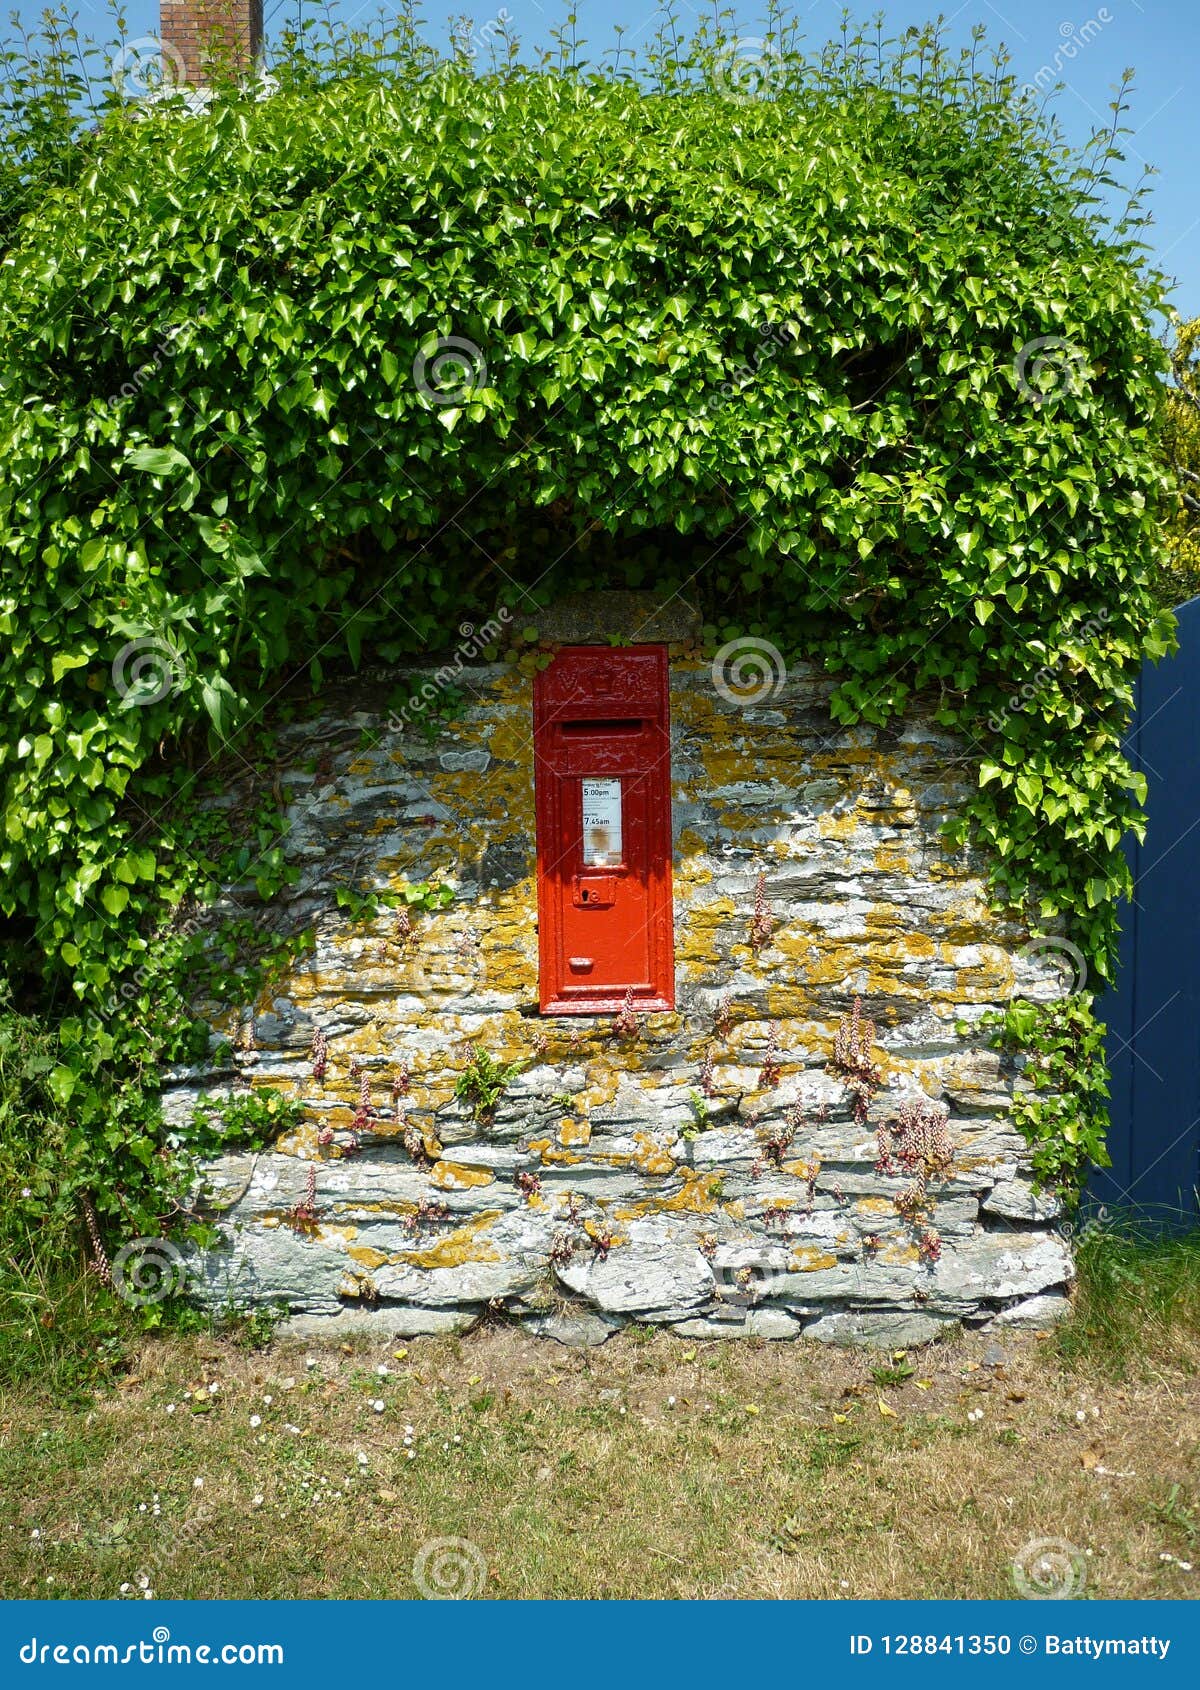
x: 603, y: 798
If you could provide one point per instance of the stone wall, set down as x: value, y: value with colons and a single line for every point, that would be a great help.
x: 622, y: 1178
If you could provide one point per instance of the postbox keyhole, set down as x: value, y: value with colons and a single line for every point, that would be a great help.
x: 585, y: 894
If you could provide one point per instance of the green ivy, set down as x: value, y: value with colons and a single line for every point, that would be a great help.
x: 430, y: 717
x: 250, y: 1121
x: 80, y: 1122
x: 1063, y: 1117
x: 423, y: 895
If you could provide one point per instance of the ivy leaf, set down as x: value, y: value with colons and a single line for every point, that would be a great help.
x: 219, y: 700
x: 157, y: 460
x: 64, y: 661
x: 62, y: 1082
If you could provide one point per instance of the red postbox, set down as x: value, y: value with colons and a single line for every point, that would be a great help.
x: 602, y: 774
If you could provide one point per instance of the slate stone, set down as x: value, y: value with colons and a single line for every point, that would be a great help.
x: 388, y: 1320
x: 1035, y: 1313
x: 844, y: 823
x: 575, y: 1328
x: 879, y: 1329
x: 1015, y: 1199
x: 748, y: 1323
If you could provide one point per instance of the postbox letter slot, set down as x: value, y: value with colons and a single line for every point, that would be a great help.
x: 627, y: 725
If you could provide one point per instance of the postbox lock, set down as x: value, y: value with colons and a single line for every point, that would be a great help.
x: 603, y: 791
x: 595, y: 891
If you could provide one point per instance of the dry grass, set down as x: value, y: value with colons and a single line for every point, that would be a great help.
x: 778, y: 1471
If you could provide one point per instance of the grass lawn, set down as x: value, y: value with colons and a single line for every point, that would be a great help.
x: 650, y: 1467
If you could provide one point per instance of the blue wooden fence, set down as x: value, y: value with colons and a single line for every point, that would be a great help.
x: 1153, y: 1013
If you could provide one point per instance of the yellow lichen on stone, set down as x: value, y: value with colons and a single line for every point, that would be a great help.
x: 462, y: 1245
x: 810, y: 1261
x: 898, y: 1255
x: 698, y: 943
x: 650, y: 1157
x: 370, y: 1257
x: 835, y: 824
x: 725, y: 762
x: 689, y: 845
x: 892, y: 859
x: 398, y: 1207
x: 875, y: 1206
x: 984, y: 982
x: 509, y: 740
x: 356, y: 1286
x: 696, y: 1196
x: 458, y: 1176
x: 598, y: 1232
x: 302, y: 1141
x: 600, y: 1090
x: 823, y: 959
x: 573, y: 1131
x: 338, y: 1235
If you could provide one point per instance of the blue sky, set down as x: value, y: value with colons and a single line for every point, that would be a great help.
x: 1084, y: 44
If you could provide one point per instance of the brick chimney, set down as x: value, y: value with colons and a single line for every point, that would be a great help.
x: 200, y: 35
